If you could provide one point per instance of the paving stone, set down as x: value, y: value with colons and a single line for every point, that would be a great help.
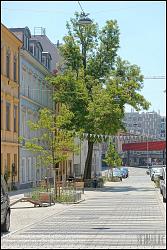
x: 120, y: 216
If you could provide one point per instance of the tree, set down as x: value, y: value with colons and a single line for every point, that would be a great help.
x: 96, y: 83
x: 112, y: 158
x: 53, y: 143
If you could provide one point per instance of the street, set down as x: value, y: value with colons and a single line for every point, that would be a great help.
x: 123, y: 215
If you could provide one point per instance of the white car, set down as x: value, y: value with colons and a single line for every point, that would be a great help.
x: 163, y: 184
x: 155, y: 173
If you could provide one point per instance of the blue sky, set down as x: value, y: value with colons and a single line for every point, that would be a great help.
x: 141, y: 23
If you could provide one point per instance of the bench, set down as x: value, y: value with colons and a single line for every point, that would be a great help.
x: 27, y: 199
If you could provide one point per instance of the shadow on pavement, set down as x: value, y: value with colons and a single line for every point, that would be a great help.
x: 123, y: 189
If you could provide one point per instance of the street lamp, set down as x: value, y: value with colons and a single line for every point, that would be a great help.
x: 84, y: 20
x: 147, y: 149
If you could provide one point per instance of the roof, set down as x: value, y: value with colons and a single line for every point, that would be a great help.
x: 21, y: 29
x: 50, y: 47
x: 11, y: 33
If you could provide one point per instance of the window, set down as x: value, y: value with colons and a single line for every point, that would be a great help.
x: 26, y: 42
x: 48, y: 64
x: 15, y: 118
x: 43, y: 94
x: 23, y: 167
x: 31, y: 49
x: 38, y: 53
x: 8, y: 65
x: 29, y: 169
x: 40, y: 56
x: 44, y: 60
x: 14, y: 70
x: 7, y: 116
x: 15, y: 163
x: 23, y: 116
x: 8, y: 164
x: 28, y: 91
x: 35, y: 51
x: 70, y: 167
x: 34, y: 168
x: 40, y: 92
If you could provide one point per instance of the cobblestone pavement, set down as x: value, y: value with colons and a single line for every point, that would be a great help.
x: 123, y: 215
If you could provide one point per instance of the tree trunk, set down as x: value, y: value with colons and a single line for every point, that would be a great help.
x: 112, y: 173
x: 88, y: 163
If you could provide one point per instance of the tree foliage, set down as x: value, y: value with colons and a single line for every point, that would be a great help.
x: 53, y: 143
x: 96, y: 84
x: 112, y: 157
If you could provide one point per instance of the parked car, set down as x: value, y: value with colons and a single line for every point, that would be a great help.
x: 155, y: 173
x: 117, y: 173
x: 5, y: 207
x: 163, y: 184
x: 124, y: 171
x: 152, y: 167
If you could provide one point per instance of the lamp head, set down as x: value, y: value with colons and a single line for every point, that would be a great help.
x: 84, y: 20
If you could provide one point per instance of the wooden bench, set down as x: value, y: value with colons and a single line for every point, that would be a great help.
x: 27, y: 199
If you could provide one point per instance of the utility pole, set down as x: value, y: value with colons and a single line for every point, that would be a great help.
x: 147, y: 149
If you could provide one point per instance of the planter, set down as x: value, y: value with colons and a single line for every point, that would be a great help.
x: 46, y: 197
x: 114, y: 179
x: 41, y: 197
x: 89, y: 183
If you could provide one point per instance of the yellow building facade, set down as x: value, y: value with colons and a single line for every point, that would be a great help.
x: 10, y: 50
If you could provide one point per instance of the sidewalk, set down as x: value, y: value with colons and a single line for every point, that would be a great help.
x: 24, y: 214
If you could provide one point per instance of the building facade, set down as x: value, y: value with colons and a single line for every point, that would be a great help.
x: 163, y: 127
x: 10, y: 50
x: 152, y: 126
x: 148, y: 123
x: 34, y: 94
x: 65, y: 168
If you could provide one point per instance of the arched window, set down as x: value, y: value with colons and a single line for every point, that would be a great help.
x: 27, y: 35
x: 8, y: 64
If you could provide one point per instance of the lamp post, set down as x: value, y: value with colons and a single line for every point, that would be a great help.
x: 147, y: 149
x: 83, y: 22
x: 147, y: 146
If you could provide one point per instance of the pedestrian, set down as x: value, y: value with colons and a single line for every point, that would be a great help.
x: 95, y: 182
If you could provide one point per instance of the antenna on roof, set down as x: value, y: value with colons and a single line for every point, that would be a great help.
x: 39, y: 31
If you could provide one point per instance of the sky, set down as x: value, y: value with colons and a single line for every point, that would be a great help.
x: 142, y: 32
